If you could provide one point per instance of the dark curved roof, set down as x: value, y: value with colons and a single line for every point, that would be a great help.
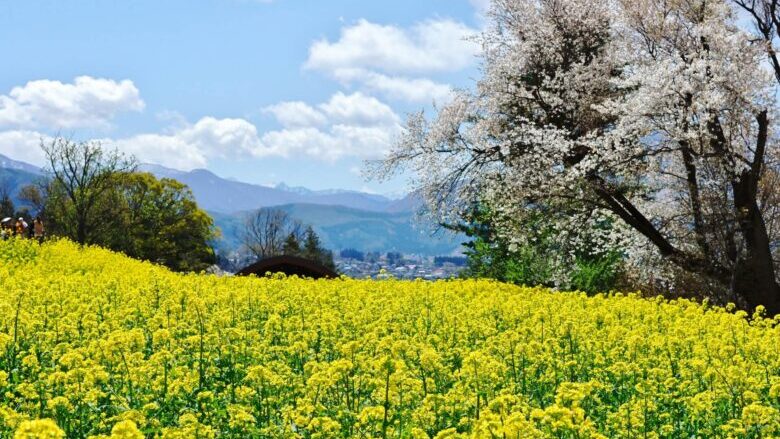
x: 288, y: 265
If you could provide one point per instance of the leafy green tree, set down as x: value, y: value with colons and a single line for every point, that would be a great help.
x: 84, y: 177
x: 162, y: 223
x: 541, y: 258
x: 96, y: 197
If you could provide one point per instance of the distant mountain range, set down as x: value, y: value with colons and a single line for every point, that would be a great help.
x: 9, y: 163
x: 223, y: 195
x: 343, y: 218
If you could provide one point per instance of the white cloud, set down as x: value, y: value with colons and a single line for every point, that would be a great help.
x: 330, y: 145
x: 430, y: 46
x: 186, y: 147
x: 417, y: 90
x: 227, y: 138
x: 24, y: 145
x: 394, y: 61
x: 358, y: 109
x: 354, y: 125
x: 296, y: 114
x: 87, y: 102
x: 191, y: 146
x: 167, y: 150
x: 345, y: 125
x: 353, y: 109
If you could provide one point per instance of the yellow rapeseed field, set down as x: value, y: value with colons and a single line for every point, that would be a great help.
x: 94, y: 344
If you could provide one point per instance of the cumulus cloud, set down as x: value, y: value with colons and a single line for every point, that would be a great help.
x: 296, y: 114
x: 394, y: 61
x: 169, y: 150
x: 331, y: 144
x: 354, y: 125
x: 353, y: 109
x: 358, y: 109
x: 23, y: 145
x: 226, y: 138
x: 191, y: 146
x: 417, y: 90
x: 430, y: 46
x: 87, y: 102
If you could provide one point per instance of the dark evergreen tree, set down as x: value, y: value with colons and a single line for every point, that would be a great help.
x: 291, y: 245
x: 394, y: 258
x: 351, y: 253
x: 312, y: 249
x: 7, y: 208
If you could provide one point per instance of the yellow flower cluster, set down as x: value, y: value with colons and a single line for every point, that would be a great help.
x: 96, y: 345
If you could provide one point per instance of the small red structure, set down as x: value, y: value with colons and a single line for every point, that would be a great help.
x: 289, y: 265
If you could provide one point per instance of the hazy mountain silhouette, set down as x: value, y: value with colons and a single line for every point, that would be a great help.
x: 9, y: 163
x: 224, y: 195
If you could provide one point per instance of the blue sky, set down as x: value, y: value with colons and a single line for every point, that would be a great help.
x: 262, y: 91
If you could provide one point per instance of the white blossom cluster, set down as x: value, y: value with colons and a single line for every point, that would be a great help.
x: 608, y: 109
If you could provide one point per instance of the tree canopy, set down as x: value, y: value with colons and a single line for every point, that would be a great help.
x: 95, y: 196
x: 162, y: 223
x: 656, y: 115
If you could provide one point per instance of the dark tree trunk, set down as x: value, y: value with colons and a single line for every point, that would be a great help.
x: 81, y: 234
x: 754, y: 276
x: 81, y: 229
x: 753, y: 279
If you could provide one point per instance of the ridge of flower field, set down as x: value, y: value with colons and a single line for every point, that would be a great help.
x: 94, y: 344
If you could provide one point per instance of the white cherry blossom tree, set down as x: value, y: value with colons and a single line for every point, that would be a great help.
x: 659, y: 114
